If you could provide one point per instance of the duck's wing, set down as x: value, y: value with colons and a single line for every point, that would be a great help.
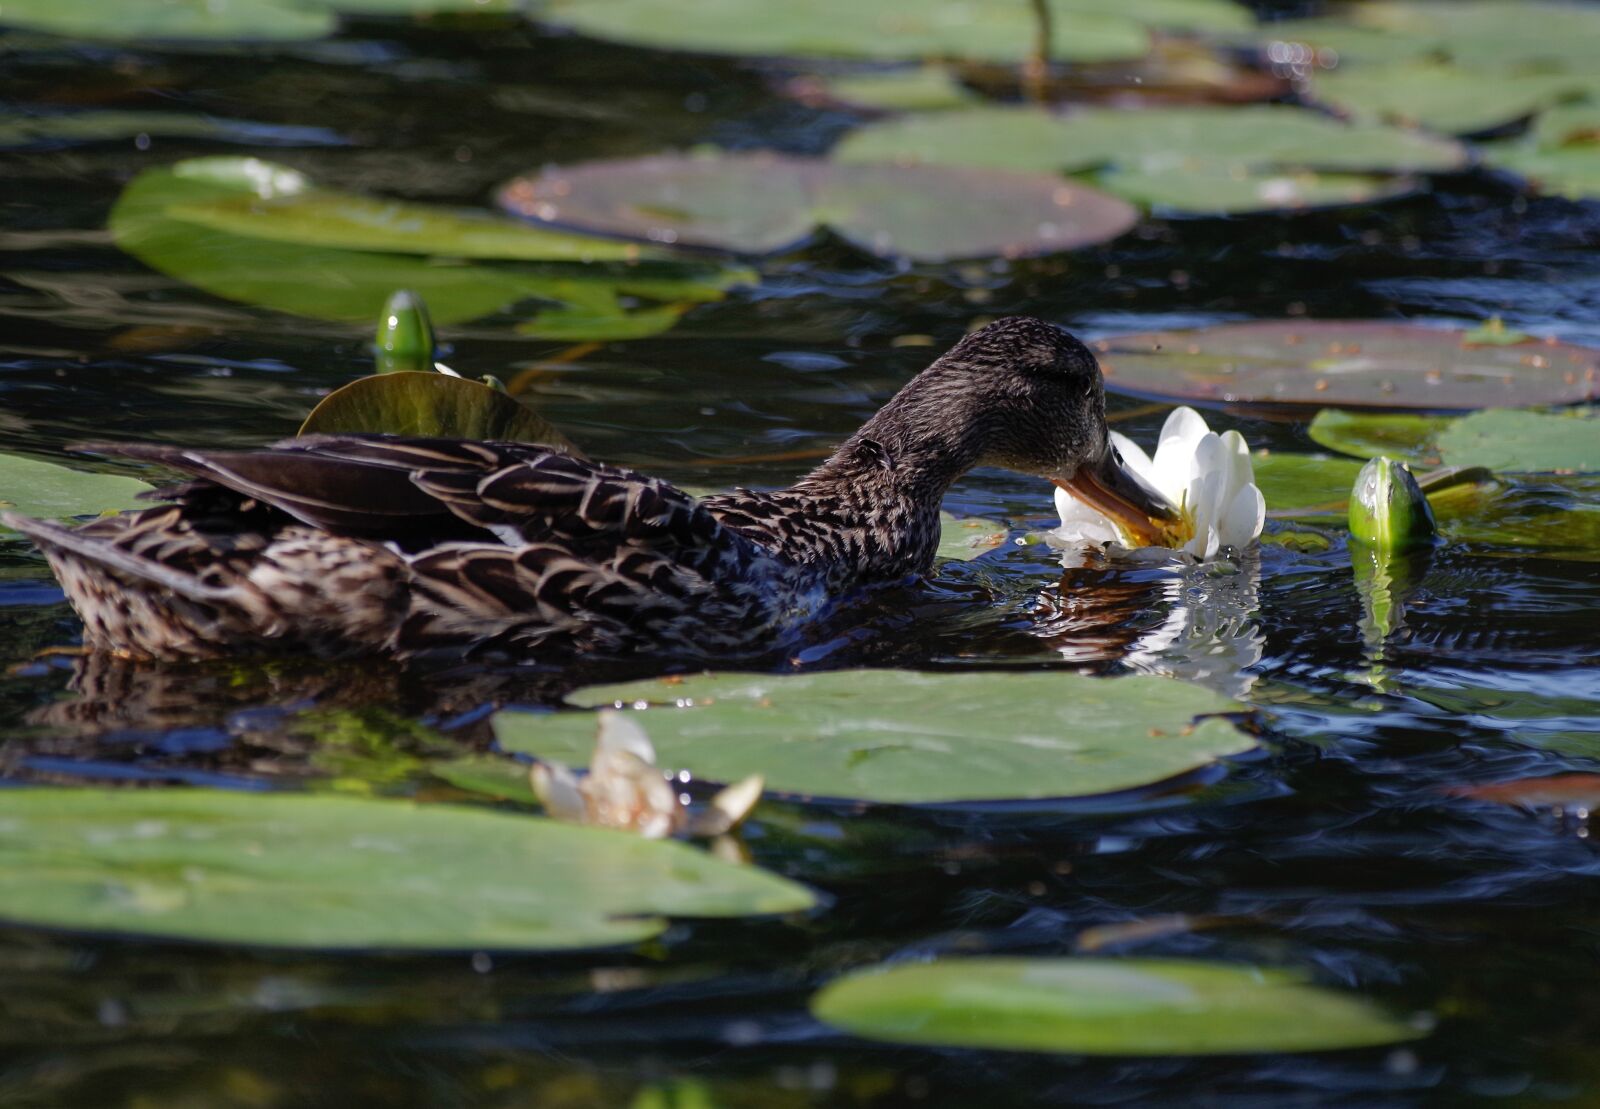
x: 505, y: 541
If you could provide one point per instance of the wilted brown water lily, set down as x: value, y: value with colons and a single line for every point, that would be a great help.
x: 625, y: 789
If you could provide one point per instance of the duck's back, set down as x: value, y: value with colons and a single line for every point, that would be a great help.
x: 357, y: 544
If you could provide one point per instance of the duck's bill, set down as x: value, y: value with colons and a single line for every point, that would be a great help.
x: 1143, y: 515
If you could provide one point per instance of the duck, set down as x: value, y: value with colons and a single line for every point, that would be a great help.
x: 347, y: 545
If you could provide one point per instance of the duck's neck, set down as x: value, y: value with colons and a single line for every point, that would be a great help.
x: 876, y: 499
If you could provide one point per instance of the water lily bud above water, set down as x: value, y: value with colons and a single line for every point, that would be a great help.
x: 405, y: 334
x: 1388, y: 510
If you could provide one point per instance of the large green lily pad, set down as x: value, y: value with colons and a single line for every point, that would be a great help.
x: 1453, y: 99
x: 412, y: 402
x: 759, y: 203
x: 1103, y: 1007
x: 189, y: 220
x: 1492, y: 36
x: 905, y: 737
x: 1347, y: 363
x: 44, y: 489
x: 1559, y: 155
x: 1499, y: 439
x: 215, y: 20
x: 858, y: 28
x: 219, y: 20
x: 1211, y: 158
x: 288, y: 870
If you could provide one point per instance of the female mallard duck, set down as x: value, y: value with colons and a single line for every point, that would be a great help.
x: 351, y: 544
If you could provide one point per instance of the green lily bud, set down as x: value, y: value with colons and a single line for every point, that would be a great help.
x: 405, y: 335
x: 1388, y: 511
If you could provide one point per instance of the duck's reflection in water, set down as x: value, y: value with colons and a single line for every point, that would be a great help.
x: 1179, y: 619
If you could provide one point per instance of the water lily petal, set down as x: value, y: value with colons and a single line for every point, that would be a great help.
x: 1175, y: 451
x: 1244, y: 517
x: 1237, y: 460
x: 557, y: 789
x: 1204, y: 545
x: 618, y: 732
x: 1134, y: 458
x: 1081, y: 523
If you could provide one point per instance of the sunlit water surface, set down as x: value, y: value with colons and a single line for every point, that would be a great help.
x: 1342, y: 849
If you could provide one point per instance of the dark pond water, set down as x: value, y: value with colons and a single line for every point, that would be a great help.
x: 1341, y: 850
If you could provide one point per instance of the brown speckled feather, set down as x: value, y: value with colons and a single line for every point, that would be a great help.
x: 354, y: 544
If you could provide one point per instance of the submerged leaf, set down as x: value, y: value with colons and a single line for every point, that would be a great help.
x: 1103, y: 1007
x: 910, y: 738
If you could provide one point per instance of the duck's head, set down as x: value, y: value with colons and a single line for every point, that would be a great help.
x: 1027, y: 396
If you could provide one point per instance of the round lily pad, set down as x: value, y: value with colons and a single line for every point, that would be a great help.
x: 231, y: 226
x: 323, y: 871
x: 1103, y: 1007
x: 1194, y: 158
x: 411, y: 402
x: 44, y: 489
x: 1349, y: 363
x: 1178, y: 139
x: 1497, y: 439
x: 759, y: 203
x: 1486, y: 35
x: 857, y: 28
x: 1452, y: 99
x: 909, y: 738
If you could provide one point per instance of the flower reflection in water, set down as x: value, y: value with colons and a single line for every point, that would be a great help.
x: 1184, y: 620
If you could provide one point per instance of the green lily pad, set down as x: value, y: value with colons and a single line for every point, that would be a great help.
x: 231, y: 20
x: 1549, y: 517
x: 1559, y: 155
x: 177, y: 220
x: 1498, y: 439
x: 295, y: 870
x: 62, y: 128
x: 922, y: 89
x: 217, y: 20
x: 966, y: 537
x: 1213, y: 189
x: 1505, y: 439
x: 325, y: 218
x: 1298, y: 486
x: 879, y: 29
x: 44, y: 489
x: 409, y: 402
x: 1453, y: 99
x: 1103, y: 1007
x: 1347, y: 363
x: 1369, y: 434
x: 499, y: 778
x: 1197, y: 158
x: 1177, y: 139
x: 905, y: 737
x: 1493, y: 35
x: 760, y: 203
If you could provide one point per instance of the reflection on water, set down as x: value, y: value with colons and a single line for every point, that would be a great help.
x: 1204, y: 630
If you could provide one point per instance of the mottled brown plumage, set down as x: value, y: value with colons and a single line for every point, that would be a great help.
x: 355, y: 544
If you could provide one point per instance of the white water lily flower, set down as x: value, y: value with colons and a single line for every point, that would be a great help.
x: 625, y: 789
x: 1206, y: 475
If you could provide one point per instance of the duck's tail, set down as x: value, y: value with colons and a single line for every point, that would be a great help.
x: 148, y: 584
